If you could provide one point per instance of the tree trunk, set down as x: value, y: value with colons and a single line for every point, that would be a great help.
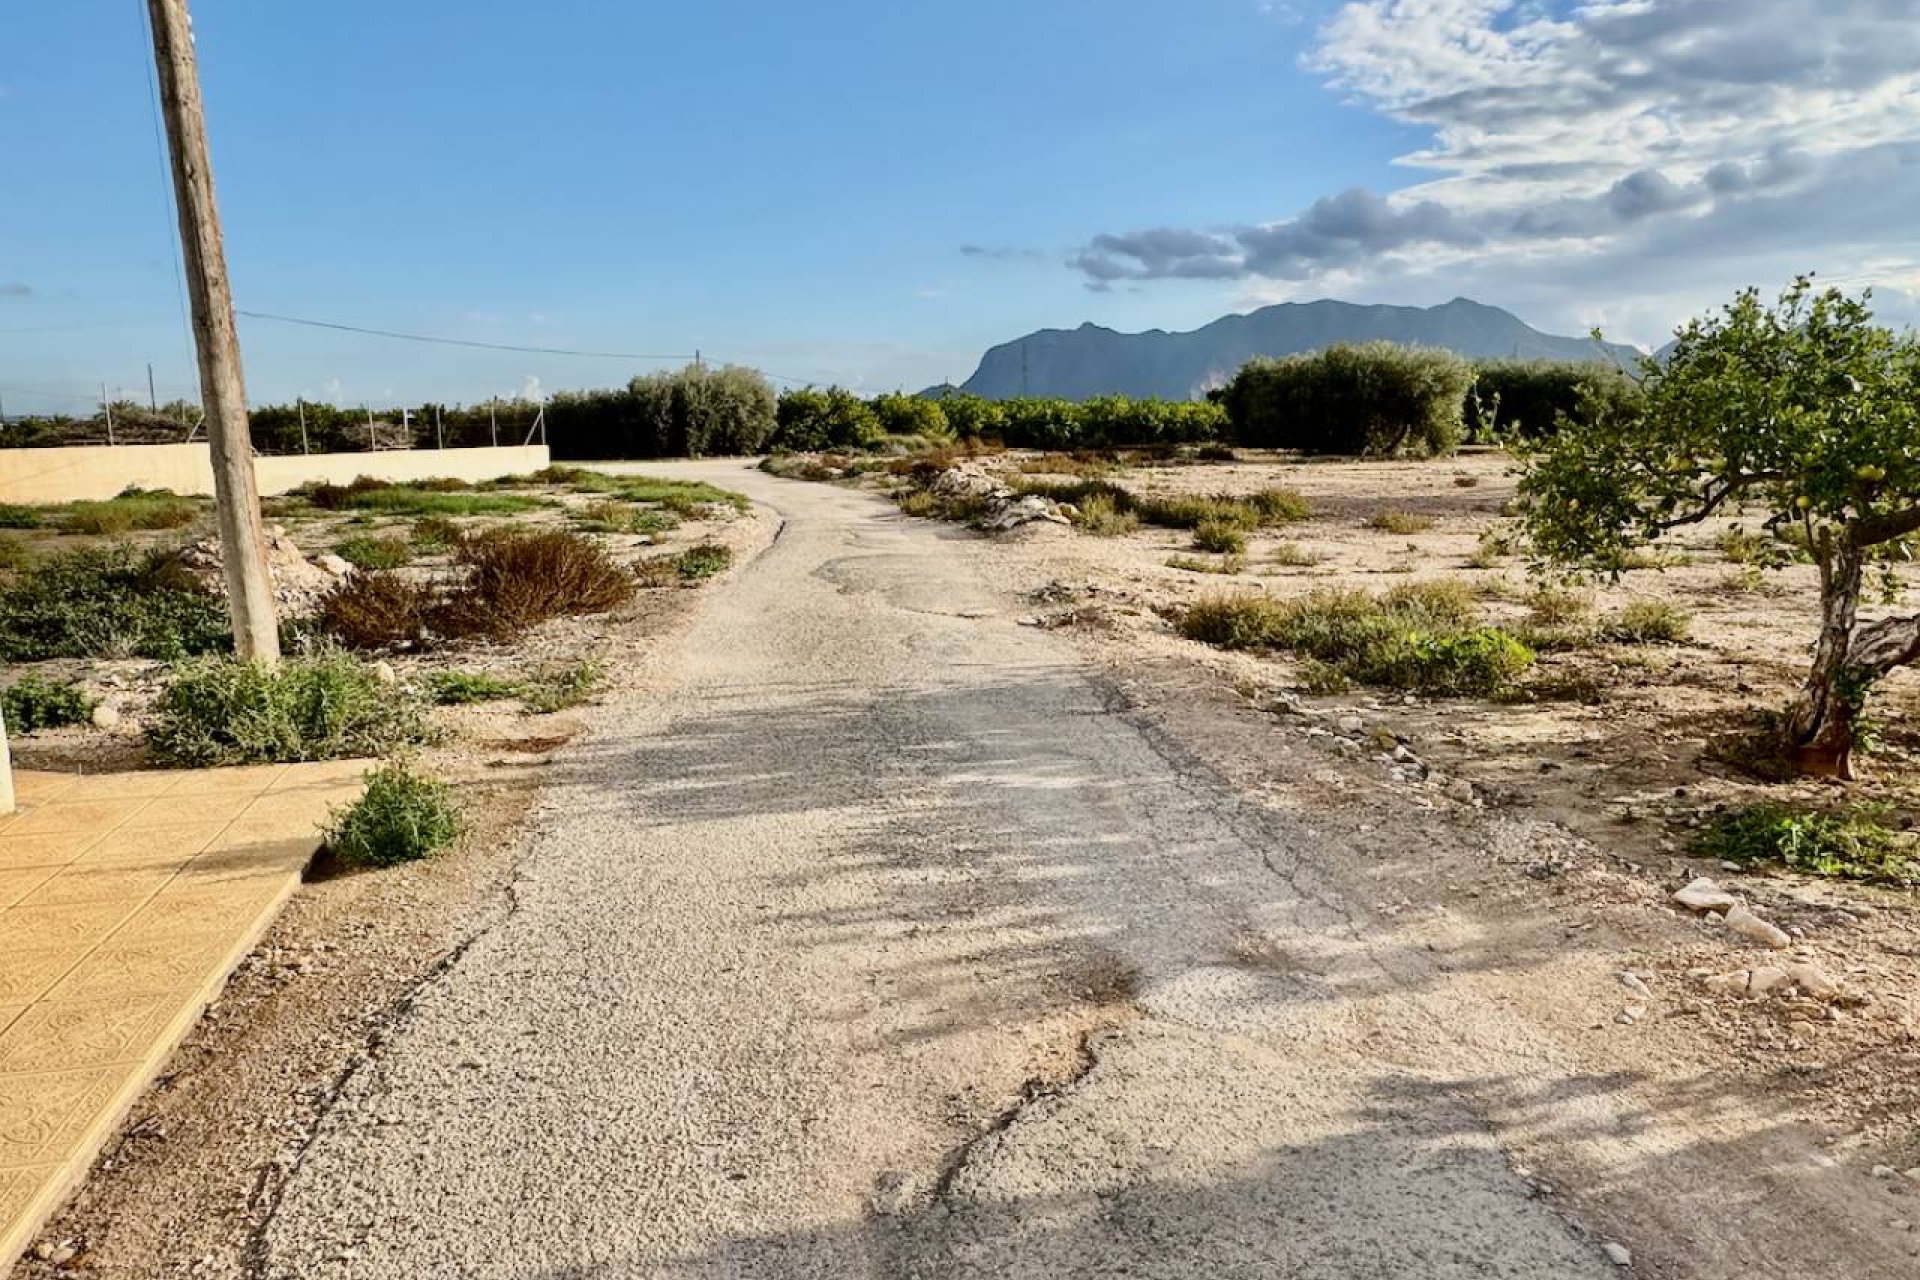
x: 1820, y: 727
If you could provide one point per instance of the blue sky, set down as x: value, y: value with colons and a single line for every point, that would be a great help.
x: 872, y: 193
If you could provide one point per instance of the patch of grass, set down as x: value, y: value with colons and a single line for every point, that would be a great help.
x: 376, y: 610
x: 33, y: 703
x: 403, y: 816
x: 1551, y: 605
x: 109, y: 602
x: 465, y: 688
x: 679, y: 496
x: 14, y: 515
x: 559, y: 690
x: 417, y: 500
x: 329, y: 706
x: 1395, y: 521
x: 613, y: 516
x: 434, y: 535
x: 1749, y: 580
x: 15, y: 555
x: 136, y: 509
x: 1219, y: 536
x: 1263, y: 509
x: 1422, y: 636
x: 1295, y: 556
x: 1760, y: 549
x: 1099, y: 516
x: 1855, y: 844
x: 1466, y: 481
x: 1640, y: 558
x: 703, y: 561
x: 367, y: 551
x: 1228, y: 564
x: 1494, y: 546
x: 1647, y: 622
x: 513, y: 581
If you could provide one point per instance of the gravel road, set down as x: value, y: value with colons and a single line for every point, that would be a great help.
x: 891, y: 943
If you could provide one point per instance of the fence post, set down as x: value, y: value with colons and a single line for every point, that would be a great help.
x: 303, y: 426
x: 439, y: 440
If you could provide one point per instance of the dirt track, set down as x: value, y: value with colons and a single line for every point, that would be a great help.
x: 899, y: 941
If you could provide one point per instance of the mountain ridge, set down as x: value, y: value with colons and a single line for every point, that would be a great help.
x: 1093, y: 360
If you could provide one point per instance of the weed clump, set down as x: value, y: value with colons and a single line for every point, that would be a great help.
x: 369, y: 552
x: 464, y: 688
x: 1100, y: 516
x: 1422, y: 636
x: 515, y: 581
x: 403, y: 816
x: 560, y: 690
x: 1219, y: 536
x: 1648, y: 622
x: 216, y: 711
x: 109, y: 602
x: 1854, y: 845
x: 378, y: 610
x: 33, y: 703
x: 1402, y: 523
x: 135, y: 509
x: 702, y: 561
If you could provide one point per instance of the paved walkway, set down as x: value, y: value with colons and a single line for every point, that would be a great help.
x: 125, y: 899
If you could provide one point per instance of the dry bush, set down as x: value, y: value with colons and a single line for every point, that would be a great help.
x: 378, y: 610
x: 517, y: 580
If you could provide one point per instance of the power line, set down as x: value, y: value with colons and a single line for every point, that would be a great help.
x: 454, y: 342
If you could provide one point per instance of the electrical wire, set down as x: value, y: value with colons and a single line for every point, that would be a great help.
x: 453, y: 342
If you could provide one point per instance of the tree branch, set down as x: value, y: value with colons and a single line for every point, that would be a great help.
x: 1881, y: 646
x: 1712, y: 502
x: 1871, y: 531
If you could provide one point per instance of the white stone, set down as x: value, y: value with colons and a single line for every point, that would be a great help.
x: 1705, y: 895
x: 334, y: 565
x: 106, y: 716
x: 1814, y: 980
x: 1350, y: 724
x: 1618, y: 1254
x: 1744, y: 922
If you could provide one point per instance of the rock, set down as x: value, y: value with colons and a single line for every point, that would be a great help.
x: 1884, y: 1171
x: 1913, y: 1174
x: 106, y: 716
x: 1744, y: 922
x: 1633, y: 983
x: 339, y: 567
x: 1462, y: 790
x: 1705, y: 895
x: 1814, y: 980
x: 1762, y: 980
x: 1350, y: 724
x: 1618, y: 1254
x: 1023, y: 511
x: 385, y: 674
x: 1403, y: 756
x: 1631, y: 1014
x: 297, y: 583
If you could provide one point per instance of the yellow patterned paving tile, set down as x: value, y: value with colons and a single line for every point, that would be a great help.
x: 44, y: 1115
x: 19, y: 1188
x: 67, y: 1035
x: 326, y: 773
x: 180, y: 810
x: 69, y: 924
x: 17, y: 884
x: 101, y: 882
x: 43, y: 851
x: 247, y: 862
x: 249, y: 780
x: 141, y: 843
x: 27, y: 972
x: 154, y: 966
x: 122, y: 786
x: 202, y: 910
x: 98, y: 816
x: 300, y: 806
x: 33, y: 787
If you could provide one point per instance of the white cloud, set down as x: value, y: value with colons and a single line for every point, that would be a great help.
x: 1653, y: 148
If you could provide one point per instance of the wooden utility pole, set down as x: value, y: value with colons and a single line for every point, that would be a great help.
x: 223, y: 390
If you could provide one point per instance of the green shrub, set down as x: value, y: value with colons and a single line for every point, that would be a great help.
x: 463, y: 688
x: 1295, y: 556
x: 697, y: 411
x: 14, y: 555
x: 15, y: 516
x: 681, y: 493
x: 1403, y: 523
x: 216, y: 711
x: 903, y: 415
x: 1531, y: 398
x: 366, y: 551
x: 1376, y: 400
x: 1422, y: 636
x: 403, y: 816
x: 1648, y: 622
x: 559, y: 690
x: 1219, y: 535
x: 703, y: 561
x: 1227, y: 565
x: 810, y: 420
x: 1852, y: 845
x: 108, y: 603
x: 34, y: 702
x: 624, y: 517
x: 1550, y: 605
x: 1761, y: 550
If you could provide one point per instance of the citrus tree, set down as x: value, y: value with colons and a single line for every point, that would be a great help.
x: 1805, y: 412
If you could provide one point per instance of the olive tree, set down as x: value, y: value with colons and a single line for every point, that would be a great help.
x: 1804, y: 411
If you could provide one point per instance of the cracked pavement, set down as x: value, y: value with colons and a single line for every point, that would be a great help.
x: 892, y: 943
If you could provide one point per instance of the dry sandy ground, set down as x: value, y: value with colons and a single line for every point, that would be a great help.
x: 901, y: 936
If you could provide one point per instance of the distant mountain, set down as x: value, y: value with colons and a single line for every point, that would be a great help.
x: 1092, y: 361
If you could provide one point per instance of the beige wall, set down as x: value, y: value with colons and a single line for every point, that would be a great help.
x: 101, y: 471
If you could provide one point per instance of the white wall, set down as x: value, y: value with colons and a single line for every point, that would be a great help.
x: 101, y: 471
